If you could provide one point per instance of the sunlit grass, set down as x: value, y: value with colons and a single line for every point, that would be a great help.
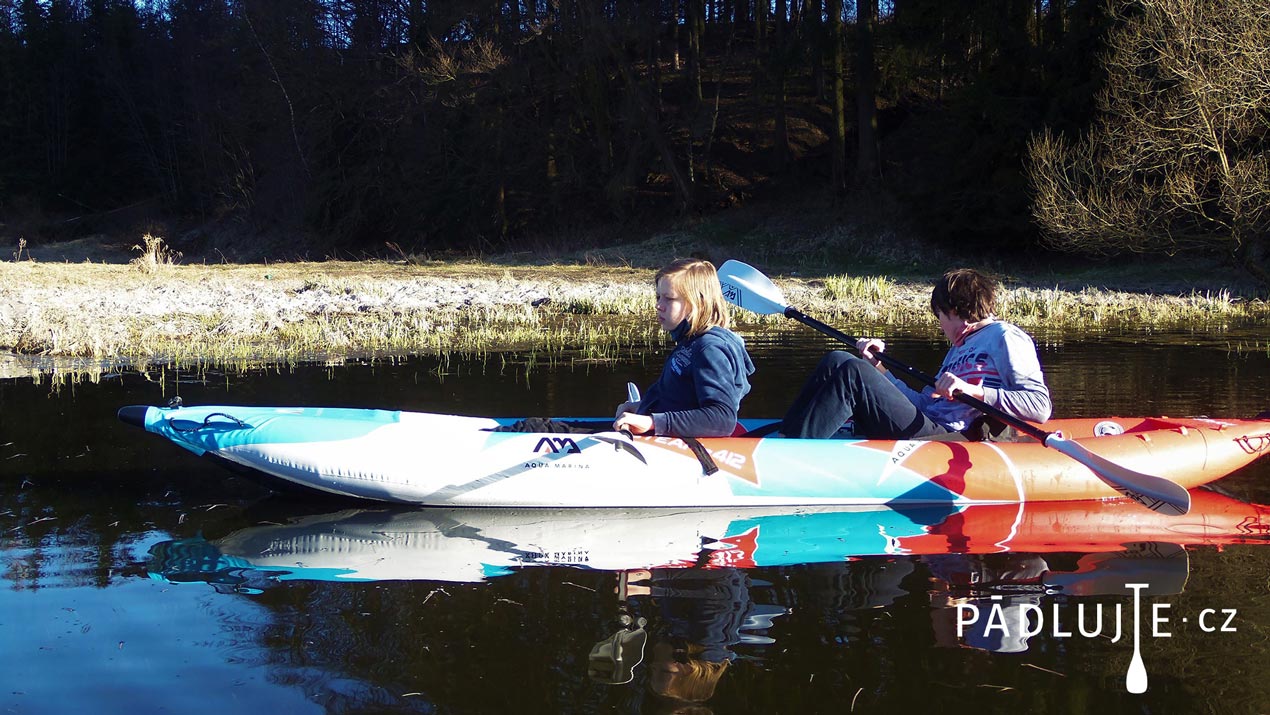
x: 89, y: 319
x: 155, y: 254
x: 1093, y: 307
x: 876, y: 289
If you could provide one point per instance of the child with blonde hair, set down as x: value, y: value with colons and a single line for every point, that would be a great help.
x: 706, y: 375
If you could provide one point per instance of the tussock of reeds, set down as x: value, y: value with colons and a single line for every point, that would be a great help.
x: 155, y: 254
x: 866, y: 289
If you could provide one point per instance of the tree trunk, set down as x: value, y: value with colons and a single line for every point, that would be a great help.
x: 676, y: 62
x: 695, y: 10
x: 838, y: 130
x: 1253, y: 255
x: 780, y: 64
x: 1054, y: 22
x: 513, y: 18
x: 760, y: 27
x: 865, y: 99
x: 814, y: 30
x: 417, y: 18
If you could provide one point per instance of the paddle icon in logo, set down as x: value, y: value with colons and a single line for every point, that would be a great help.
x: 1135, y: 680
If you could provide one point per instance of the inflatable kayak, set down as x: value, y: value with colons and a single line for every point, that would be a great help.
x: 450, y: 460
x: 469, y: 545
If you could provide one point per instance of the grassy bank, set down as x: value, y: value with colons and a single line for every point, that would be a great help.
x: 78, y: 319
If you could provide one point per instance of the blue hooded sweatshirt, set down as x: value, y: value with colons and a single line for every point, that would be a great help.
x: 700, y: 389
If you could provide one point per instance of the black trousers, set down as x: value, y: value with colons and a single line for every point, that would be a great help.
x: 844, y: 387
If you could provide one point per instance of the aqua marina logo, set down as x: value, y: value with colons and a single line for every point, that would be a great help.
x: 1016, y: 622
x: 557, y: 445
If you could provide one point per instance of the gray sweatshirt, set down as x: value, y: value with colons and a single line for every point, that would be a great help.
x: 1002, y: 358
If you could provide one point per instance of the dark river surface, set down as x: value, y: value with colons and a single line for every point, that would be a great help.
x: 138, y: 578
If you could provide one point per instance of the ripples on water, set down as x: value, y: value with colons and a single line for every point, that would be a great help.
x: 139, y: 579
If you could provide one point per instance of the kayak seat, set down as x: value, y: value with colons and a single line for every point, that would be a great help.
x: 988, y: 429
x: 984, y: 429
x: 981, y: 430
x: 764, y: 431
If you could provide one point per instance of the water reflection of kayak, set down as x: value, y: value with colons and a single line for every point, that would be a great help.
x: 447, y: 460
x: 475, y: 544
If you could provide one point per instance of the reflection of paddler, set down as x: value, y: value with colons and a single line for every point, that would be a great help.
x: 612, y: 661
x: 837, y: 589
x: 1013, y: 586
x: 973, y: 581
x: 676, y: 671
x: 700, y: 615
x: 679, y: 671
x: 1163, y: 567
x: 709, y: 607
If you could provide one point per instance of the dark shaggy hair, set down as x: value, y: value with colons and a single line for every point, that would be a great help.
x: 965, y: 292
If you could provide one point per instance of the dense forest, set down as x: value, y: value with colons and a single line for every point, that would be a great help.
x: 487, y: 124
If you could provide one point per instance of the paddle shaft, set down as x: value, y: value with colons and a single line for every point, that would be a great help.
x: 895, y: 365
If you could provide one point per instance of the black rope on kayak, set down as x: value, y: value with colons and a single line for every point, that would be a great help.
x: 702, y: 454
x: 207, y: 422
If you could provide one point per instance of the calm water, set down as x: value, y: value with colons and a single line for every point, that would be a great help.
x: 138, y: 579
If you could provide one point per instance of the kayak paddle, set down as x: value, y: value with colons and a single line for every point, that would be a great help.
x: 746, y: 287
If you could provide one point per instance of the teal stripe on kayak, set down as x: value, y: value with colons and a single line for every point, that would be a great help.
x: 785, y: 539
x: 213, y: 428
x: 828, y: 467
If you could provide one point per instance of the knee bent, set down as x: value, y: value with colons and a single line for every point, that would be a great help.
x: 838, y: 361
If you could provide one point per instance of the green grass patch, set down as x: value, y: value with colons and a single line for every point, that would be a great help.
x: 876, y: 289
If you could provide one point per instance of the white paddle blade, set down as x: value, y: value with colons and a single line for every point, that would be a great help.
x: 1154, y: 493
x: 747, y: 288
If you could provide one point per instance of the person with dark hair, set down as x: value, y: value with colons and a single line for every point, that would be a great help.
x: 990, y: 359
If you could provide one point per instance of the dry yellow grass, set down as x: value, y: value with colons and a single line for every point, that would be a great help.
x: 84, y: 317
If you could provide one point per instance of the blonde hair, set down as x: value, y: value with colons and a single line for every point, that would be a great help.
x: 697, y: 681
x: 697, y: 283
